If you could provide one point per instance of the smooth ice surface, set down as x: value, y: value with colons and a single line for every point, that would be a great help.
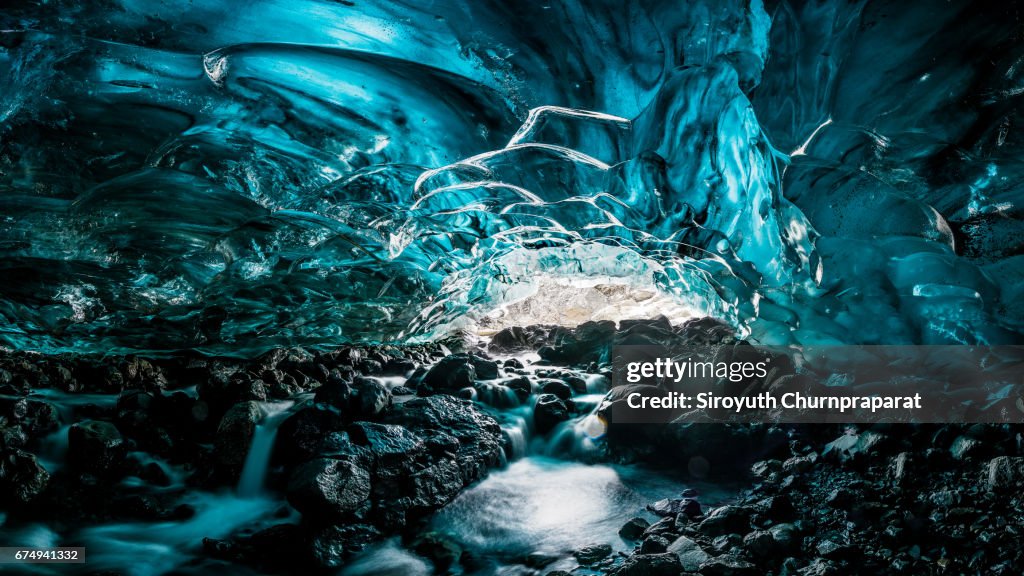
x: 305, y: 172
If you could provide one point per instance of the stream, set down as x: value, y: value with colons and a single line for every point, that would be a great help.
x: 542, y: 505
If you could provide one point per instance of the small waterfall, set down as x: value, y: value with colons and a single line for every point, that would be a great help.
x: 254, y: 472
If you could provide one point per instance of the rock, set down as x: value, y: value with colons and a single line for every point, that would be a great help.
x: 485, y: 369
x: 800, y: 464
x: 391, y: 445
x: 557, y: 388
x: 302, y: 435
x: 964, y: 447
x: 760, y: 543
x: 664, y: 526
x: 371, y: 398
x: 900, y: 467
x: 665, y: 507
x: 728, y: 565
x: 518, y: 338
x: 786, y: 537
x: 689, y: 553
x: 765, y: 469
x: 727, y: 543
x: 827, y: 548
x: 96, y: 447
x: 234, y: 435
x: 593, y: 553
x: 726, y: 520
x: 521, y: 386
x: 654, y: 544
x: 328, y: 490
x: 440, y: 549
x: 477, y: 435
x: 335, y: 392
x: 449, y: 375
x: 22, y: 478
x: 634, y: 528
x: 776, y: 508
x: 649, y: 565
x: 1005, y: 473
x: 851, y: 446
x: 36, y: 417
x: 576, y: 383
x: 548, y: 412
x: 588, y: 342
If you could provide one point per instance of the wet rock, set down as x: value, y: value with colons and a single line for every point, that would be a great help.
x: 391, y: 445
x: 634, y: 528
x: 766, y: 469
x: 371, y: 398
x: 854, y: 445
x: 593, y: 553
x: 964, y: 447
x: 786, y: 538
x: 519, y: 338
x: 654, y: 545
x: 36, y: 417
x: 548, y: 412
x: 557, y: 388
x: 328, y: 490
x: 726, y: 520
x: 335, y: 392
x: 22, y: 478
x: 302, y: 435
x: 485, y: 369
x: 901, y: 467
x: 588, y: 342
x: 689, y: 553
x: 234, y: 435
x: 96, y: 447
x: 664, y: 527
x: 675, y: 506
x: 728, y: 565
x: 439, y: 549
x: 649, y: 565
x: 449, y: 375
x: 776, y: 508
x: 760, y: 543
x: 521, y: 386
x: 828, y: 548
x: 1005, y: 473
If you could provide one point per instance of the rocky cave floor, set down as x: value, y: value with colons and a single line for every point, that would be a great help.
x: 361, y: 459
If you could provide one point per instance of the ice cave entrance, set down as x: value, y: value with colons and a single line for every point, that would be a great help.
x: 577, y: 283
x: 571, y: 301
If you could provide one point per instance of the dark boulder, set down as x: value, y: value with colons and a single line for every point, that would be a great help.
x: 303, y: 434
x: 449, y: 375
x: 234, y: 436
x: 634, y: 528
x: 548, y: 412
x: 22, y: 478
x: 592, y: 554
x: 97, y: 448
x: 328, y: 490
x: 556, y: 387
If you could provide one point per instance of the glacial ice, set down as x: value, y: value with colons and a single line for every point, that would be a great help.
x: 312, y: 173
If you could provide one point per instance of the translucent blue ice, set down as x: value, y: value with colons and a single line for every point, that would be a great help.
x: 305, y: 172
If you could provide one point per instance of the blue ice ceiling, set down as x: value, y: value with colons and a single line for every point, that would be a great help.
x: 240, y: 176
